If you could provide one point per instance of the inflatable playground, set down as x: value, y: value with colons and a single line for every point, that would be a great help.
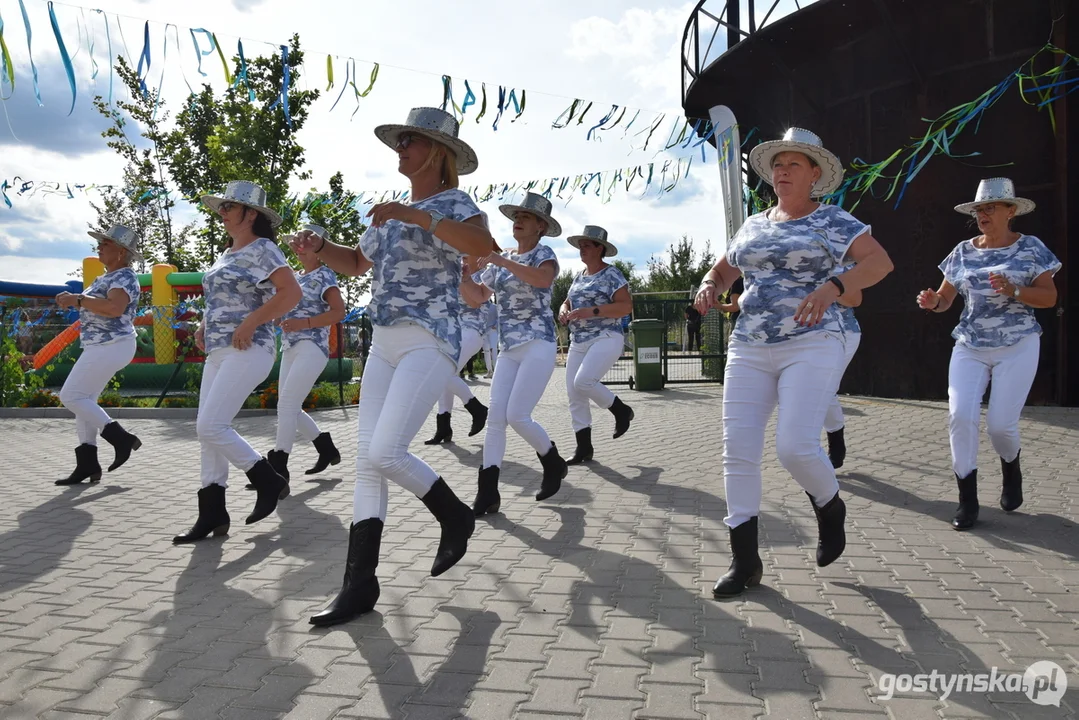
x: 164, y: 327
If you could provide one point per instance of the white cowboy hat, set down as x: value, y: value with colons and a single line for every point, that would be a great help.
x: 807, y: 143
x: 596, y: 234
x: 316, y: 230
x: 998, y: 189
x: 247, y: 194
x: 436, y: 125
x: 122, y: 236
x: 537, y: 205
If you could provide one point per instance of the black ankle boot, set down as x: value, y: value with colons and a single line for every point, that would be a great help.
x: 622, y: 415
x: 831, y: 535
x: 554, y: 469
x: 967, y: 512
x: 86, y: 466
x: 1011, y: 494
x: 359, y: 591
x: 443, y: 431
x: 584, y: 450
x: 270, y: 487
x: 123, y: 442
x: 327, y: 454
x: 487, y: 501
x: 458, y: 523
x: 837, y: 448
x: 213, y: 517
x: 746, y: 567
x: 478, y: 411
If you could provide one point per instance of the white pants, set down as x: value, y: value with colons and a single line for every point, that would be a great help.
x: 301, y: 364
x: 520, y: 379
x: 229, y: 376
x: 490, y: 350
x: 92, y: 372
x: 586, y: 365
x: 798, y: 374
x: 471, y: 341
x: 405, y: 374
x: 833, y: 419
x: 1012, y: 369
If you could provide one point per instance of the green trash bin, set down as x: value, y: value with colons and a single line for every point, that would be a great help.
x: 647, y: 354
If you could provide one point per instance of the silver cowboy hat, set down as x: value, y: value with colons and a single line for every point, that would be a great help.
x: 248, y: 194
x: 998, y: 189
x: 596, y: 234
x: 436, y: 125
x: 807, y: 143
x: 123, y: 236
x: 537, y: 205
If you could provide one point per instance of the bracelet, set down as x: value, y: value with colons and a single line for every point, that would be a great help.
x: 838, y: 283
x: 78, y: 301
x: 321, y: 246
x: 708, y: 281
x: 934, y: 308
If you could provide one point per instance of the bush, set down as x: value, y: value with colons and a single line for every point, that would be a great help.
x: 40, y: 398
x: 181, y: 401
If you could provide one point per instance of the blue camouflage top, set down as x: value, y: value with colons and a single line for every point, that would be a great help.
x: 97, y: 329
x: 416, y: 276
x: 846, y: 314
x: 782, y: 263
x: 524, y: 311
x: 594, y: 291
x: 491, y: 320
x: 990, y: 320
x: 474, y: 319
x: 314, y: 286
x: 237, y: 285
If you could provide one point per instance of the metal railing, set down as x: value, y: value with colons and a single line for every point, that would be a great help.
x: 715, y: 26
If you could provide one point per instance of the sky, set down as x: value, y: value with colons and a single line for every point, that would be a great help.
x: 606, y: 51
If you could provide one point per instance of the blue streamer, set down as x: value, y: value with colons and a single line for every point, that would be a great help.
x: 470, y: 99
x: 243, y: 72
x: 63, y: 56
x: 282, y: 98
x: 198, y: 50
x: 108, y: 40
x: 144, y: 57
x: 344, y: 86
x: 92, y: 39
x: 601, y: 123
x: 30, y: 52
x: 501, y: 106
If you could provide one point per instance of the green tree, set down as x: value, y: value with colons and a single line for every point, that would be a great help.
x: 139, y: 202
x: 335, y: 210
x: 560, y: 290
x: 629, y: 270
x: 240, y: 137
x: 683, y: 271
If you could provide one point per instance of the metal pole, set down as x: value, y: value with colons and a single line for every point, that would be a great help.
x: 340, y: 365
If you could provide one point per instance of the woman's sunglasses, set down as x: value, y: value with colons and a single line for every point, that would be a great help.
x: 404, y: 140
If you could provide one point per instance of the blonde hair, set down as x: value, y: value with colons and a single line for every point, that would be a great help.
x: 449, y: 163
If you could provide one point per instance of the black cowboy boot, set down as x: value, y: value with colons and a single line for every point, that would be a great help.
x: 622, y: 415
x: 213, y: 517
x: 837, y: 448
x: 478, y: 411
x: 1011, y: 495
x: 443, y: 431
x: 123, y: 442
x: 458, y: 523
x: 584, y: 450
x: 554, y: 469
x: 327, y: 454
x: 359, y: 591
x: 278, y: 460
x: 967, y: 512
x: 86, y: 466
x: 746, y: 567
x: 487, y: 501
x: 831, y: 536
x: 270, y: 487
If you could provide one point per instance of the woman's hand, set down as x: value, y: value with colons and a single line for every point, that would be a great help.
x: 66, y: 299
x: 929, y: 299
x: 294, y: 324
x: 579, y: 314
x: 243, y: 335
x: 811, y: 310
x: 493, y: 259
x: 305, y: 241
x: 706, y: 298
x: 1001, y: 284
x: 384, y: 212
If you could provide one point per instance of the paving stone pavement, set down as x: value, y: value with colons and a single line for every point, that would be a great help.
x: 594, y: 604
